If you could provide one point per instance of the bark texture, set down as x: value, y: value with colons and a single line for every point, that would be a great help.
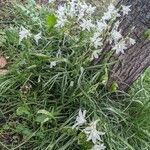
x: 137, y: 58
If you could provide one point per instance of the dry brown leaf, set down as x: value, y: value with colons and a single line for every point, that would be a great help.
x: 3, y: 62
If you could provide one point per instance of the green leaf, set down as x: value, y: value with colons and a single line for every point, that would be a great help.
x: 32, y: 67
x: 42, y: 119
x: 113, y: 87
x: 45, y: 112
x: 105, y: 77
x: 41, y: 56
x: 147, y: 34
x: 51, y: 20
x: 22, y: 111
x: 23, y: 130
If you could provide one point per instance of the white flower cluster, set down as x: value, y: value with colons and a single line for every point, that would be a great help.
x: 78, y: 16
x: 81, y: 14
x: 77, y: 10
x: 91, y: 130
x: 24, y: 34
x: 112, y: 12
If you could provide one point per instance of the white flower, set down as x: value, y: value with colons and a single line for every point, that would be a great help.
x: 90, y: 10
x: 115, y: 35
x: 80, y: 15
x: 87, y: 24
x: 101, y: 25
x: 111, y: 8
x: 117, y: 14
x: 61, y: 16
x: 97, y: 43
x: 96, y: 40
x: 61, y: 22
x: 52, y: 64
x: 24, y: 33
x: 37, y: 37
x: 83, y: 6
x: 98, y: 147
x: 111, y: 12
x: 126, y: 9
x: 92, y: 132
x: 62, y: 9
x: 72, y: 8
x: 107, y: 16
x: 120, y: 47
x: 132, y: 41
x: 84, y: 9
x: 80, y: 120
x: 95, y: 55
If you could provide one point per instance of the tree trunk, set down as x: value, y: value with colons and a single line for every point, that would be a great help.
x: 137, y: 58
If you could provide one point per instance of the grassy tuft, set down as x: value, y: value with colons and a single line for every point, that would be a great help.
x: 38, y: 104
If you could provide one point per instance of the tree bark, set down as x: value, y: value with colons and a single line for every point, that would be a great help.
x: 136, y: 59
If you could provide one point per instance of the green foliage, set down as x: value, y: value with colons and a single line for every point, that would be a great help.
x: 12, y: 36
x: 45, y: 116
x: 51, y: 20
x: 105, y: 77
x: 2, y: 38
x: 85, y: 145
x: 147, y: 34
x: 24, y: 130
x: 38, y: 103
x: 22, y: 111
x: 42, y: 119
x: 113, y: 88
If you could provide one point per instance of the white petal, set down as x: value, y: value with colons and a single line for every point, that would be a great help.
x: 24, y: 33
x: 111, y: 7
x: 94, y: 139
x: 126, y: 9
x: 98, y: 147
x: 80, y: 119
x: 37, y: 37
x: 52, y: 64
x: 80, y: 113
x: 84, y: 113
x: 132, y: 41
x: 101, y: 133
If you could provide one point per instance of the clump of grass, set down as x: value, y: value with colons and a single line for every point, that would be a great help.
x: 32, y: 86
